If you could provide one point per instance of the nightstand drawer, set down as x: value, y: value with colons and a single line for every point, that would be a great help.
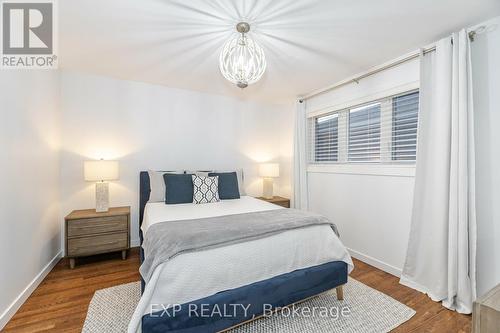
x: 83, y: 227
x: 97, y: 244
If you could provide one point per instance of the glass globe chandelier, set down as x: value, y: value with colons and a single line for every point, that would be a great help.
x: 242, y: 60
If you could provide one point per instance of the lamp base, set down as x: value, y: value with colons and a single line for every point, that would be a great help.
x: 267, y: 188
x: 101, y: 197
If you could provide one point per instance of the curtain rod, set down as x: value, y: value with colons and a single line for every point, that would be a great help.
x: 472, y: 35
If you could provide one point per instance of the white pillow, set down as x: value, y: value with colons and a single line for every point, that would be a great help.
x: 157, y: 185
x: 205, y: 189
x: 203, y: 173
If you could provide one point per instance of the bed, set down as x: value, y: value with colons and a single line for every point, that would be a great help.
x: 214, y: 288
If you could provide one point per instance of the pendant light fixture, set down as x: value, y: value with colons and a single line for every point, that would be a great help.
x: 242, y: 60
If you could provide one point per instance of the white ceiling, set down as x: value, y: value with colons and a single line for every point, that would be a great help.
x: 309, y: 44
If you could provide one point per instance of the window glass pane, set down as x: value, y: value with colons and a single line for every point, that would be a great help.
x: 326, y: 138
x: 404, y: 127
x: 364, y: 133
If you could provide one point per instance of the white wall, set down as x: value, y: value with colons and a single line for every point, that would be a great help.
x: 146, y: 126
x: 30, y: 234
x: 372, y: 206
x: 486, y: 76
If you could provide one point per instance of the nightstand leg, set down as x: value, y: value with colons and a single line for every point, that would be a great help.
x: 124, y: 254
x: 72, y: 263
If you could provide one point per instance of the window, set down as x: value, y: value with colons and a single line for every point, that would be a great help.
x: 364, y: 133
x: 327, y: 136
x: 383, y: 131
x: 404, y: 127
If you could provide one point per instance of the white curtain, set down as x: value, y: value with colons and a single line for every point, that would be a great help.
x: 441, y: 256
x: 300, y: 196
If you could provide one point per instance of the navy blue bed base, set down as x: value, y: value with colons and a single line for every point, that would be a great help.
x: 246, y: 302
x: 231, y: 307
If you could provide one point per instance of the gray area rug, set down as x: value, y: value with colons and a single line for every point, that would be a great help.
x: 363, y: 309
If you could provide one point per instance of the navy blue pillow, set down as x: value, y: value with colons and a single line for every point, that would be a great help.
x: 228, y: 185
x: 178, y: 188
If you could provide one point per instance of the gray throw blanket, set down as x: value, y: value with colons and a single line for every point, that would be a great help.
x: 163, y: 241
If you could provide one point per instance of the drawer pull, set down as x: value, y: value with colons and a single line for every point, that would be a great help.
x: 100, y: 244
x: 111, y: 243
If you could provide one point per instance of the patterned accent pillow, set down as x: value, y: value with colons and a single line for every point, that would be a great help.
x: 205, y: 189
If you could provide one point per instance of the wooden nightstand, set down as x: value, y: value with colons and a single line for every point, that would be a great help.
x: 88, y: 233
x: 280, y: 201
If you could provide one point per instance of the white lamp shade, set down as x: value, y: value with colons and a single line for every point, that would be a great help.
x: 95, y: 171
x: 269, y: 170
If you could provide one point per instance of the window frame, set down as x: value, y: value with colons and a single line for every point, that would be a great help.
x: 386, y: 165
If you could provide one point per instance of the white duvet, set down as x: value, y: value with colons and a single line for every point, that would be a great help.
x: 194, y: 275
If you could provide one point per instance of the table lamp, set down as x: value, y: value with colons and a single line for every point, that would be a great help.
x: 99, y: 172
x: 268, y: 171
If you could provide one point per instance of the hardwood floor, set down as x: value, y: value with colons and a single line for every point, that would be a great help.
x: 60, y: 303
x: 430, y: 316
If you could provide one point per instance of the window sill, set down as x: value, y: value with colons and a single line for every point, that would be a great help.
x: 395, y: 170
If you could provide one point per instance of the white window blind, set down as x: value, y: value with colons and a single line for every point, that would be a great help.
x: 383, y: 131
x: 364, y: 133
x: 326, y: 138
x: 404, y: 127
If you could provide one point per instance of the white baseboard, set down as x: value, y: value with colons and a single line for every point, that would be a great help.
x: 375, y: 263
x: 23, y: 296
